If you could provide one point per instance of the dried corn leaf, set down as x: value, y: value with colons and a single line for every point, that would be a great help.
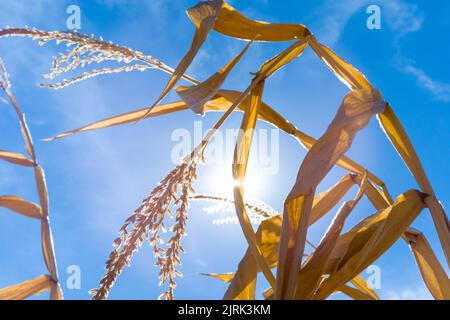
x: 284, y: 58
x: 368, y: 240
x: 348, y: 74
x: 203, y: 16
x: 328, y: 199
x: 25, y: 289
x: 232, y: 23
x: 42, y: 190
x: 362, y: 286
x: 225, y: 277
x: 268, y: 241
x: 375, y: 196
x: 311, y: 272
x: 198, y: 95
x: 243, y: 282
x: 354, y: 114
x: 21, y: 206
x: 242, y: 287
x: 354, y: 293
x: 125, y: 118
x: 400, y: 140
x: 16, y: 158
x: 433, y: 274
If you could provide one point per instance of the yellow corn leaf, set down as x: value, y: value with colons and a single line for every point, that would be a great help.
x: 310, y: 274
x: 284, y: 58
x: 368, y: 240
x: 432, y: 272
x: 21, y: 206
x: 243, y: 282
x: 400, y: 140
x: 16, y: 158
x: 348, y: 74
x: 225, y: 277
x: 232, y: 23
x: 268, y: 294
x: 240, y: 160
x: 311, y: 271
x: 362, y: 286
x: 354, y: 114
x: 198, y: 95
x: 203, y: 16
x: 25, y: 289
x: 354, y: 293
x: 42, y: 190
x: 125, y: 118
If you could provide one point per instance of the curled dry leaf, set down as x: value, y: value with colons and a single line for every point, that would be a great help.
x: 16, y: 158
x: 354, y: 113
x: 232, y: 23
x: 401, y: 142
x: 433, y: 274
x: 242, y: 288
x: 311, y: 271
x: 21, y: 206
x: 203, y: 16
x: 198, y: 95
x: 369, y: 239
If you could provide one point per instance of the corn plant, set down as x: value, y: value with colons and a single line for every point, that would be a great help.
x: 29, y: 209
x: 279, y: 242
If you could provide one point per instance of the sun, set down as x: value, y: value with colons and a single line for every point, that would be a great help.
x: 222, y: 182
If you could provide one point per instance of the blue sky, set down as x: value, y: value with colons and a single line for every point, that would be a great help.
x: 96, y: 179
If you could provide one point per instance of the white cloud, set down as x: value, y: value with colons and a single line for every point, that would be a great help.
x: 400, y: 17
x: 331, y: 18
x: 439, y: 90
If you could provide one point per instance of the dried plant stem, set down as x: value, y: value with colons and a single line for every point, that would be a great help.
x: 47, y: 239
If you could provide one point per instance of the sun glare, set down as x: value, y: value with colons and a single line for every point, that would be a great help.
x: 222, y: 182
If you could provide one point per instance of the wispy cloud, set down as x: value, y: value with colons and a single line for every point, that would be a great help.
x: 439, y: 90
x: 331, y: 18
x: 419, y: 293
x: 400, y: 17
